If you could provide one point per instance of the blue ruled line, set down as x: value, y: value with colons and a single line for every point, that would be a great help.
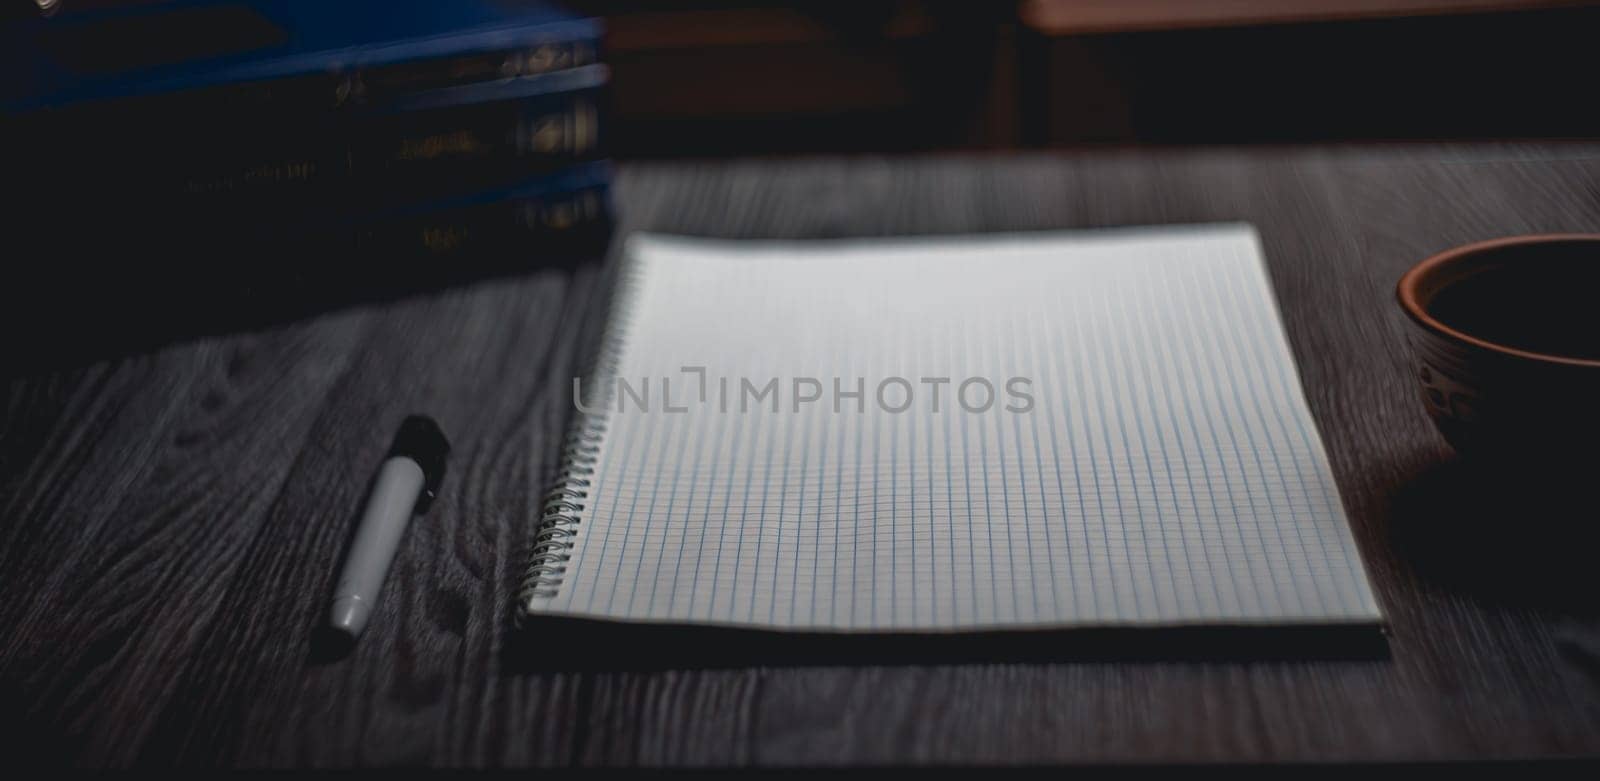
x: 1123, y: 337
x: 1079, y: 381
x: 833, y: 569
x: 933, y: 553
x: 704, y: 521
x: 1096, y: 377
x: 1038, y: 465
x: 1190, y: 348
x: 649, y: 519
x: 722, y: 529
x: 1022, y: 489
x: 872, y: 617
x: 766, y: 482
x: 816, y: 554
x: 672, y: 502
x: 1049, y: 401
x: 950, y: 499
x: 988, y: 512
x: 597, y: 492
x: 855, y: 524
x: 744, y: 515
x: 1200, y: 332
x: 1238, y: 362
x: 1261, y: 362
x: 633, y: 504
x: 1290, y: 393
x: 800, y: 516
x: 1163, y: 338
x: 966, y: 467
x: 894, y: 512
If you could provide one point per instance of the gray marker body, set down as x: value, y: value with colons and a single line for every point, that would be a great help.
x: 388, y: 512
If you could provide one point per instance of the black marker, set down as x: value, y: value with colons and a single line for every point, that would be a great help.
x: 406, y: 485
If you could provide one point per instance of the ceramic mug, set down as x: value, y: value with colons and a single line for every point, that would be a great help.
x: 1506, y: 336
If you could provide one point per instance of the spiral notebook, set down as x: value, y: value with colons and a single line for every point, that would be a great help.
x: 1059, y: 430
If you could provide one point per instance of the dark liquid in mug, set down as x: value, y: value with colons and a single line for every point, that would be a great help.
x: 1543, y: 300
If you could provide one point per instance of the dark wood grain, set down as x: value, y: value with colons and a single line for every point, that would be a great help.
x: 172, y: 520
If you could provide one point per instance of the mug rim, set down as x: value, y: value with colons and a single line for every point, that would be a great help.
x: 1406, y: 291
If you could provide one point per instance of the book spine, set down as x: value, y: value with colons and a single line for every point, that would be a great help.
x: 390, y: 81
x: 307, y: 145
x: 323, y: 169
x: 502, y: 230
x: 339, y: 88
x: 456, y: 149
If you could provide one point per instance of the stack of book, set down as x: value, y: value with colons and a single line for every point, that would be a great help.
x: 308, y: 129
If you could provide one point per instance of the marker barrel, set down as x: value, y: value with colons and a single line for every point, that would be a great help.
x: 394, y: 498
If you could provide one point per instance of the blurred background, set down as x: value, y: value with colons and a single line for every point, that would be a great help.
x: 188, y: 166
x: 723, y: 76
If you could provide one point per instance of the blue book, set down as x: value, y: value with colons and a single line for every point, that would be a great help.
x: 559, y: 209
x: 425, y: 145
x: 285, y: 110
x: 315, y: 52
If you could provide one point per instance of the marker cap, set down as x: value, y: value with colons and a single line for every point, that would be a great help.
x: 420, y: 440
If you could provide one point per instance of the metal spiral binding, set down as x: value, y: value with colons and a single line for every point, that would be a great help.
x: 562, y: 506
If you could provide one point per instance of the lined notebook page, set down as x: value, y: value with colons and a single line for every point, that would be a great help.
x: 1168, y: 471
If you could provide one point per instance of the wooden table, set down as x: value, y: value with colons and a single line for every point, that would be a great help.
x: 173, y: 520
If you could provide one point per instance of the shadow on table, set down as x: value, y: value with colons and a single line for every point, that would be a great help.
x: 1521, y: 534
x: 61, y: 313
x: 569, y: 645
x: 28, y: 738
